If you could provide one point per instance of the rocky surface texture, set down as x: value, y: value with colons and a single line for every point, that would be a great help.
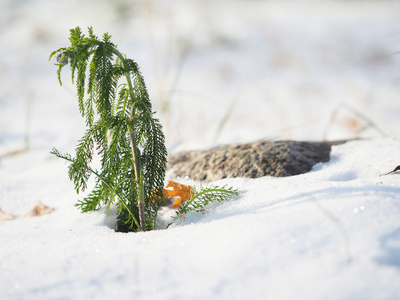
x: 252, y: 160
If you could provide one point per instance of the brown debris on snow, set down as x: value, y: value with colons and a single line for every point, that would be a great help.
x: 39, y: 209
x: 5, y: 216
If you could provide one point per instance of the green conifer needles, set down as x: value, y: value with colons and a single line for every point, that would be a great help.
x: 199, y: 200
x: 114, y: 101
x: 120, y: 126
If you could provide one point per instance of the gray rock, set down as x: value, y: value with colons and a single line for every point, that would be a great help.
x: 252, y: 160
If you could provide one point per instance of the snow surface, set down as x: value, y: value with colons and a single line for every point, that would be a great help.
x: 218, y: 72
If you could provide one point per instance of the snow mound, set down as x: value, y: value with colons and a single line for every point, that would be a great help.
x: 331, y: 233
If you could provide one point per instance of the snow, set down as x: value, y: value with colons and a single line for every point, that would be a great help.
x: 255, y: 69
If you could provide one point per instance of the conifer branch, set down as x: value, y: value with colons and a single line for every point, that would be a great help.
x: 198, y: 200
x: 122, y: 199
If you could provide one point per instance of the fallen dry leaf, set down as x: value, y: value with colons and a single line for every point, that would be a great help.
x: 179, y: 187
x: 39, y: 209
x: 5, y: 216
x: 181, y: 191
x: 178, y: 202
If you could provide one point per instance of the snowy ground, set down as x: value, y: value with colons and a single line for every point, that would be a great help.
x: 218, y: 72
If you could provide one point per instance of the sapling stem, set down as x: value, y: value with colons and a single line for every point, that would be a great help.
x: 135, y: 150
x: 138, y: 177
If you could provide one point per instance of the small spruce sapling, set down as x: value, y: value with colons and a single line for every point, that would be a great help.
x: 122, y: 128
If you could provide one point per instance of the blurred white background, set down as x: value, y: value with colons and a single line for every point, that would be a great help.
x: 217, y: 71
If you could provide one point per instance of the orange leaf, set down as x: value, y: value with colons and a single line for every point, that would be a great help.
x: 171, y: 194
x: 177, y: 203
x: 179, y: 187
x: 178, y: 190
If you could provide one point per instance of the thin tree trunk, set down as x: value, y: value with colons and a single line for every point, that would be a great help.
x: 139, y: 180
x: 135, y: 151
